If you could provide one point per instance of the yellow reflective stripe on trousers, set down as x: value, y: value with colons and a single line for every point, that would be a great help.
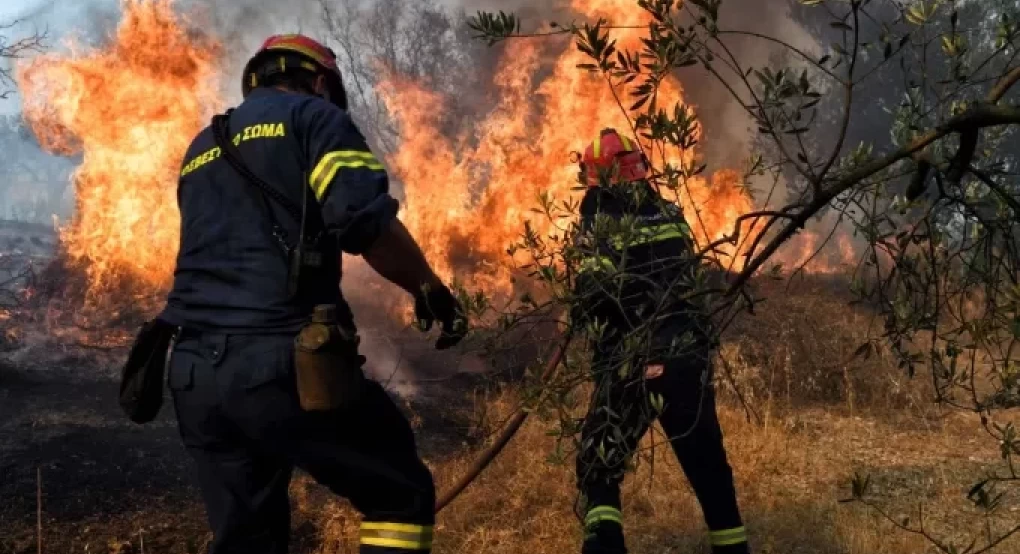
x: 332, y: 162
x: 603, y: 513
x: 407, y: 536
x: 727, y: 537
x: 648, y: 235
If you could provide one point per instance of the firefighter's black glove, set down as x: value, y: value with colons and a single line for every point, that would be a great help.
x: 439, y: 304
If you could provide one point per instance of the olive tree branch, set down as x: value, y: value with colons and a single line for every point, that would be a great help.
x: 981, y: 116
x: 807, y: 57
x: 848, y: 101
x: 997, y: 189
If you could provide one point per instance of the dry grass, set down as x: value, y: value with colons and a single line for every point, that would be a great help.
x: 823, y: 419
x: 798, y: 351
x: 791, y: 473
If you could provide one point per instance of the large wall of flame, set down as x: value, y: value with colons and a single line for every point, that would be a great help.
x: 468, y: 196
x: 130, y: 109
x: 131, y: 106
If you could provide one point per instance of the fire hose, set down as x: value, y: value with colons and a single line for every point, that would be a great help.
x: 511, y: 428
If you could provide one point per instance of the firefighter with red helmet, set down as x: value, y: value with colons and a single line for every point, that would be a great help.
x: 651, y: 346
x: 270, y: 195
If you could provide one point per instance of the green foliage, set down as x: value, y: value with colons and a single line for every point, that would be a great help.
x: 494, y: 27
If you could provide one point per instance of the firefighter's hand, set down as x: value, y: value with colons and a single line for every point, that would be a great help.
x: 439, y: 304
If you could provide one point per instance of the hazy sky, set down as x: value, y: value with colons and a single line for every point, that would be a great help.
x: 13, y: 8
x: 56, y: 16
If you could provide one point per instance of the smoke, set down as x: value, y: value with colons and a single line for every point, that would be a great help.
x: 242, y: 25
x: 34, y: 185
x: 528, y: 10
x: 728, y: 129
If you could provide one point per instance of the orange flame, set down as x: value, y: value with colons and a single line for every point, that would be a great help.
x: 131, y: 109
x: 819, y: 254
x: 522, y: 149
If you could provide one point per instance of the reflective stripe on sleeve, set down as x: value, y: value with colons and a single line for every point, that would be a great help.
x: 332, y: 162
x: 725, y: 537
x: 407, y: 536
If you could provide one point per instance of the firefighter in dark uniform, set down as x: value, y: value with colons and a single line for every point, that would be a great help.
x: 651, y: 347
x: 231, y: 371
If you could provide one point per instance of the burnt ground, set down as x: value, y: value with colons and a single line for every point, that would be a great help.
x: 108, y: 484
x: 103, y: 478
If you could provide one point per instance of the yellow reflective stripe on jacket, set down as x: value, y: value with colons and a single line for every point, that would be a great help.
x: 648, y: 235
x: 603, y: 513
x: 407, y: 536
x: 596, y: 263
x: 332, y: 162
x: 725, y: 537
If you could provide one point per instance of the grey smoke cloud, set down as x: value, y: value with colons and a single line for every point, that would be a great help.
x: 727, y: 127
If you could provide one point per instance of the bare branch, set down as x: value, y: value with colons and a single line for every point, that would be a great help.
x: 16, y: 49
x: 849, y: 100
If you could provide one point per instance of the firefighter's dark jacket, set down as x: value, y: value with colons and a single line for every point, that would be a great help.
x: 232, y: 272
x: 636, y: 273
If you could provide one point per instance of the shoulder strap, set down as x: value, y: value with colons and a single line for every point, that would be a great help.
x: 221, y: 135
x: 230, y: 152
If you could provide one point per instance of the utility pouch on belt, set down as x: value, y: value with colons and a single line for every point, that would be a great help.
x: 141, y: 381
x: 327, y: 364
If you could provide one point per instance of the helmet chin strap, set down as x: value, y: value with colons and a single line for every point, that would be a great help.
x: 320, y: 89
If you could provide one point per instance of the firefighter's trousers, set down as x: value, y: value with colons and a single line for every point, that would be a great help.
x: 620, y: 413
x: 239, y: 417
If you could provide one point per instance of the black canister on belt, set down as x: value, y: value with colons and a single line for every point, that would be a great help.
x: 327, y: 364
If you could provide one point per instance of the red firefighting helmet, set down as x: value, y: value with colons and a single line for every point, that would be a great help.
x: 614, y: 158
x: 283, y: 53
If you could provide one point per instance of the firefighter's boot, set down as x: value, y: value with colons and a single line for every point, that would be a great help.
x: 603, y: 531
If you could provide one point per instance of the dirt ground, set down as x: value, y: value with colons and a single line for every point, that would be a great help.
x: 109, y: 485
